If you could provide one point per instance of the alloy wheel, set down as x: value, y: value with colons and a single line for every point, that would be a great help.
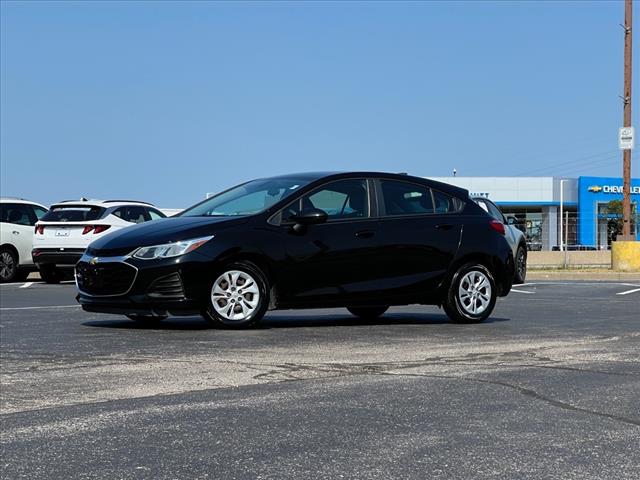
x: 474, y: 292
x: 235, y: 295
x: 7, y: 266
x: 522, y: 264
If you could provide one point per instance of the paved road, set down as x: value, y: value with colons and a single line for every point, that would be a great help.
x: 548, y: 388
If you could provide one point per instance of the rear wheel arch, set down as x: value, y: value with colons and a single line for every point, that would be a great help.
x: 12, y: 249
x: 481, y: 258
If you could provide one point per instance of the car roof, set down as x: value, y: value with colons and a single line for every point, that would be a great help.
x: 445, y: 187
x: 336, y: 175
x: 100, y: 203
x: 20, y: 200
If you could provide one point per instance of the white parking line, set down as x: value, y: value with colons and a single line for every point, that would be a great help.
x: 26, y: 285
x: 38, y: 308
x: 629, y: 291
x: 521, y: 291
x: 522, y: 284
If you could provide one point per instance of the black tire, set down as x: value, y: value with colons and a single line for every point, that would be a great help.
x: 368, y: 313
x: 520, y: 265
x: 253, y: 279
x: 457, y: 308
x: 147, y: 319
x: 9, y: 265
x: 50, y: 274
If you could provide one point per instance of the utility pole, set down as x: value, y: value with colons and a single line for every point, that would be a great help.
x: 626, y: 154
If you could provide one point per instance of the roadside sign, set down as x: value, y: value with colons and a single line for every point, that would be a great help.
x: 625, y: 138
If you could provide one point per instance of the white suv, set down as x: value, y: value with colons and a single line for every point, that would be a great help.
x: 17, y: 218
x: 63, y: 234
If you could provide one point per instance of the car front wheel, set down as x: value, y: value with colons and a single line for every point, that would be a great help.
x: 238, y: 296
x: 472, y: 294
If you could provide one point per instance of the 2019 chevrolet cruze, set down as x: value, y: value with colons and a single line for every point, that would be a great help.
x: 364, y: 241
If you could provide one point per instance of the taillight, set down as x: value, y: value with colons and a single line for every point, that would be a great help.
x: 39, y: 230
x: 497, y: 226
x: 100, y: 228
x: 87, y: 229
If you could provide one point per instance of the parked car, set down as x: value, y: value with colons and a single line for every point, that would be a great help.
x: 516, y: 237
x: 17, y: 218
x: 63, y: 234
x: 365, y: 241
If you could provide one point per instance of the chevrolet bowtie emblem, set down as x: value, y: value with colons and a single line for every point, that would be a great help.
x: 595, y: 188
x: 94, y: 260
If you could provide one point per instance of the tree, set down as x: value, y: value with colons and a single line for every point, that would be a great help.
x: 613, y: 213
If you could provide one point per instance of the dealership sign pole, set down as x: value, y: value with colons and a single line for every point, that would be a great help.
x: 626, y: 132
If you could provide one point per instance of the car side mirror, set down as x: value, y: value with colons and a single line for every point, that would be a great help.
x: 311, y: 216
x: 512, y: 220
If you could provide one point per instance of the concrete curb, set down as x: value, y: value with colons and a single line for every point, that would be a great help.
x: 589, y: 275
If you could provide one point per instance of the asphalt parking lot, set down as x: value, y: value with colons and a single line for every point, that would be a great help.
x: 547, y: 388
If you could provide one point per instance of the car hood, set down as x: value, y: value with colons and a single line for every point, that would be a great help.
x: 161, y: 231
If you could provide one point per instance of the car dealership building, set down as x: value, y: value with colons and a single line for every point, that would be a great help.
x: 535, y: 202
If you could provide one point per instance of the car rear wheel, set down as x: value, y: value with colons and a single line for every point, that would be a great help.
x: 147, y: 319
x: 238, y: 296
x: 368, y: 313
x: 8, y: 266
x: 472, y: 294
x: 521, y: 265
x: 50, y: 274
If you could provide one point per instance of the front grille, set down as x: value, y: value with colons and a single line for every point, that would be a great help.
x: 169, y: 286
x: 108, y: 278
x: 109, y: 252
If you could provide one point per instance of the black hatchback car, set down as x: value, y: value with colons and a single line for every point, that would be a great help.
x: 360, y: 240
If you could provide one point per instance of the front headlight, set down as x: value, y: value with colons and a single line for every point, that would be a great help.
x: 168, y: 250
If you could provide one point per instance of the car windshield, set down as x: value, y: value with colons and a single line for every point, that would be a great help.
x: 248, y: 198
x: 73, y: 213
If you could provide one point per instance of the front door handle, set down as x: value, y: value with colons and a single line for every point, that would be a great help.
x: 15, y: 232
x: 365, y: 234
x: 444, y: 226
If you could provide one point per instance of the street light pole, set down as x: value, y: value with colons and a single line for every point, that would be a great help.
x: 561, y: 213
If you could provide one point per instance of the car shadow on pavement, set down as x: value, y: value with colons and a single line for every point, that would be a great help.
x: 289, y: 321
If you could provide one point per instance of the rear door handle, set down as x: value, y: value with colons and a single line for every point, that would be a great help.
x: 444, y: 226
x: 365, y: 234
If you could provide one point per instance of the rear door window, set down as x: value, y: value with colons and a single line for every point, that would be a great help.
x: 39, y: 211
x: 132, y: 213
x: 404, y: 198
x: 73, y: 213
x: 17, y: 213
x: 444, y: 203
x: 155, y: 214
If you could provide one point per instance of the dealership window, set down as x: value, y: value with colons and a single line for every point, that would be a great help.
x: 609, y: 224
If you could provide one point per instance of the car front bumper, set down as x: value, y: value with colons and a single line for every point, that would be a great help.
x: 125, y: 285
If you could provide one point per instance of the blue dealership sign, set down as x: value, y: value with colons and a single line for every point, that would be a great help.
x: 596, y: 191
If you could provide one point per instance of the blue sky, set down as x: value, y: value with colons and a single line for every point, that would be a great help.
x: 166, y: 101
